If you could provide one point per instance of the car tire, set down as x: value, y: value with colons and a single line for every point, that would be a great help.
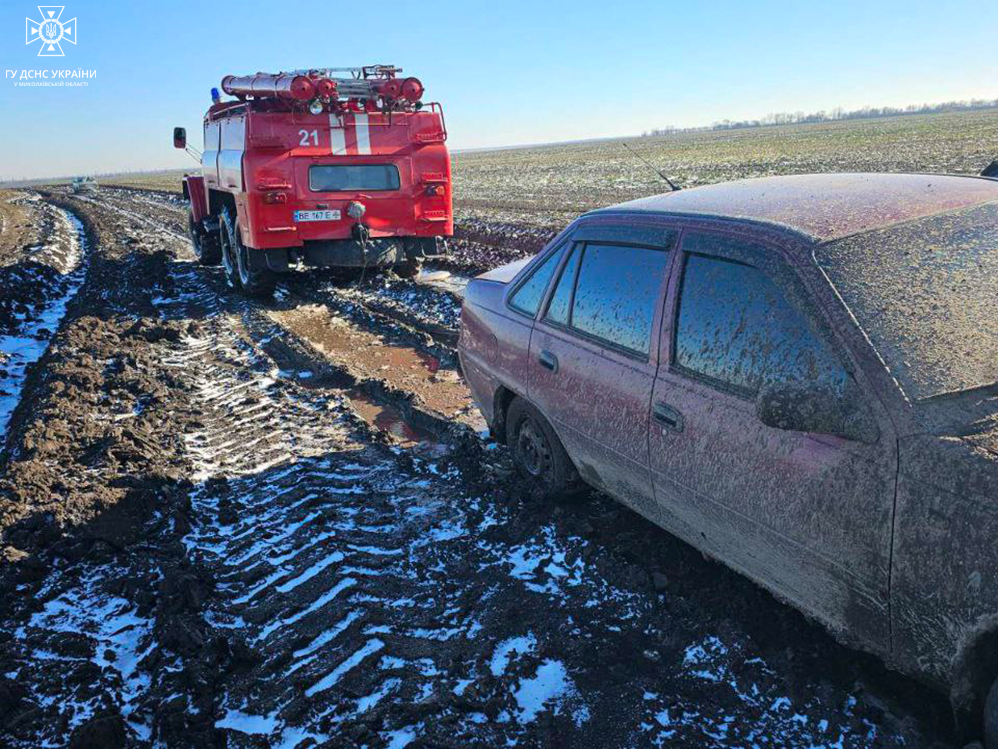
x: 991, y: 717
x: 537, y: 452
x: 206, y: 245
x: 409, y: 268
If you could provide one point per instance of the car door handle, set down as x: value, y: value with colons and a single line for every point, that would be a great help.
x: 669, y: 417
x: 548, y: 361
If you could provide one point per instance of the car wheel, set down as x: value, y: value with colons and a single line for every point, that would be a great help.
x: 206, y: 244
x: 409, y: 268
x: 537, y: 452
x: 227, y: 240
x: 257, y: 283
x: 991, y: 718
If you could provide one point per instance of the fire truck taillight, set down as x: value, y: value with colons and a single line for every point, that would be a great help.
x: 275, y: 197
x: 435, y: 190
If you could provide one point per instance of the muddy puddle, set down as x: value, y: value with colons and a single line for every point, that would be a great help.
x: 444, y: 279
x: 369, y: 356
x: 390, y: 420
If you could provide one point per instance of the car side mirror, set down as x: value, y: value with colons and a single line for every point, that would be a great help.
x: 179, y: 137
x: 818, y: 409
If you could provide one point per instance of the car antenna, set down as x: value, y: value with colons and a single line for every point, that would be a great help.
x: 659, y: 172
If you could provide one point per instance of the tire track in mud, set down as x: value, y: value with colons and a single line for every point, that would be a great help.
x: 427, y: 308
x: 261, y: 439
x: 241, y: 442
x: 36, y: 293
x: 315, y: 545
x: 429, y: 326
x: 149, y: 224
x: 318, y: 587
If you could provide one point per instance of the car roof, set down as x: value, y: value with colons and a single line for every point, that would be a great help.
x: 824, y: 206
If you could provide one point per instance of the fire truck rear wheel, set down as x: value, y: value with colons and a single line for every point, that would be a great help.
x: 206, y: 244
x: 259, y: 283
x: 409, y: 268
x: 227, y: 238
x: 253, y: 281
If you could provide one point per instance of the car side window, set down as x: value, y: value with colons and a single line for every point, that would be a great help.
x: 735, y: 326
x: 615, y: 295
x: 527, y: 298
x: 561, y: 300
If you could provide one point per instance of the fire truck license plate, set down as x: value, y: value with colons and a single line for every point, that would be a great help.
x: 317, y: 215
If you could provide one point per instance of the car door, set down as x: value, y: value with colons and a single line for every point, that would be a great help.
x: 592, y: 363
x: 807, y: 515
x: 498, y: 342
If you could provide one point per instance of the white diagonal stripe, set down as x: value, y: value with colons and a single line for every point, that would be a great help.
x: 363, y: 135
x: 337, y: 136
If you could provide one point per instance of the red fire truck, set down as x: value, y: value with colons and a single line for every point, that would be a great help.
x: 341, y: 167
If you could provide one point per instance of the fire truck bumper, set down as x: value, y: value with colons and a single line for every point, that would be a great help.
x: 349, y: 253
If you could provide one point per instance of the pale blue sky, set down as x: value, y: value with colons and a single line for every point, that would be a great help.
x: 507, y: 72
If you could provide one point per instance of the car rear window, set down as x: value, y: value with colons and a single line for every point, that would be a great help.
x: 349, y: 177
x: 610, y: 292
x: 527, y: 298
x: 925, y: 293
x: 735, y: 327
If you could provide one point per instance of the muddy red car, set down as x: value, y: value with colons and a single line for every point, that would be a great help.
x: 795, y: 375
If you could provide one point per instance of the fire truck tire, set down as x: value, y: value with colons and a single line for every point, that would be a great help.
x: 254, y: 282
x: 227, y: 238
x: 258, y: 283
x: 206, y: 244
x: 408, y: 268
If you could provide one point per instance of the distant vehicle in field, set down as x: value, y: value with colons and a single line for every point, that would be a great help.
x: 307, y: 168
x: 84, y: 184
x: 796, y: 375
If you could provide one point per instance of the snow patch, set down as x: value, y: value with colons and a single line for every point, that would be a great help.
x: 372, y: 646
x: 550, y: 683
x: 505, y: 649
x: 250, y: 724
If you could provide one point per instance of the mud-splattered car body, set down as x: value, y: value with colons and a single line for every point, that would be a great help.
x: 881, y: 526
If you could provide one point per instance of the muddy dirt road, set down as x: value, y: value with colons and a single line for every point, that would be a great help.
x: 234, y: 524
